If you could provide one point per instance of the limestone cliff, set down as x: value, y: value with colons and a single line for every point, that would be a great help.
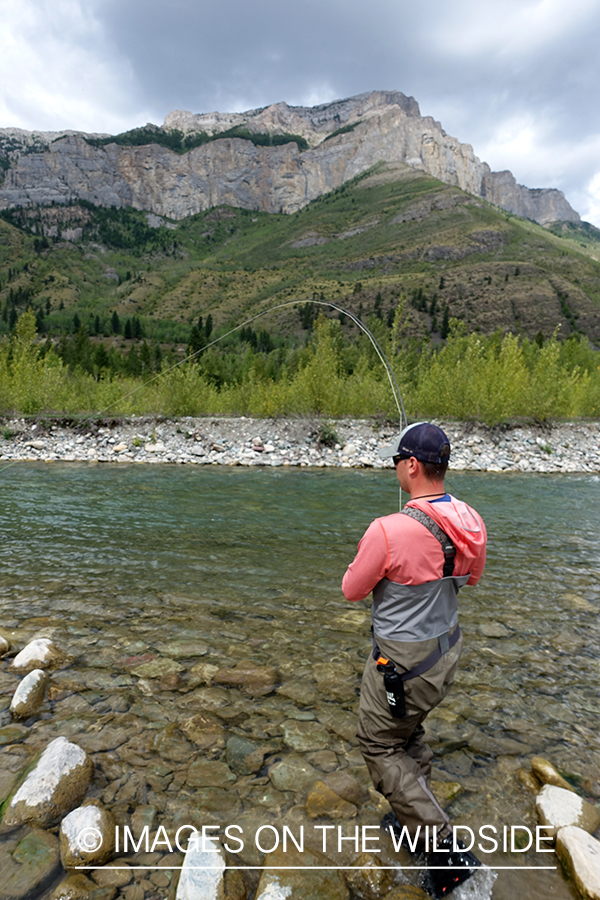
x: 381, y: 126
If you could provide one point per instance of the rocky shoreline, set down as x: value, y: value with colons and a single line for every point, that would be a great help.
x: 345, y: 443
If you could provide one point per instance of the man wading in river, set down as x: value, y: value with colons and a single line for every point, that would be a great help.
x: 415, y: 562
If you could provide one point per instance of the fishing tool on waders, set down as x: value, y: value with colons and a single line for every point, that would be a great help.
x: 394, y: 687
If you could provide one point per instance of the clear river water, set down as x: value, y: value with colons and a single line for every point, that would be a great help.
x: 199, y: 567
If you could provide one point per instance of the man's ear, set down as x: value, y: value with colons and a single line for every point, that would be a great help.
x: 413, y: 465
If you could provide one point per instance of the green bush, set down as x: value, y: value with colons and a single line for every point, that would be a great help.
x: 472, y: 377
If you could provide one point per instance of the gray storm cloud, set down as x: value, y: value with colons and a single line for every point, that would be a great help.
x: 516, y: 79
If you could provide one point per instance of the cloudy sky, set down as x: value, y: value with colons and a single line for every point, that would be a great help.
x: 517, y: 79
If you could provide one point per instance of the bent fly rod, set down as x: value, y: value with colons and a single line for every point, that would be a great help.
x: 358, y: 322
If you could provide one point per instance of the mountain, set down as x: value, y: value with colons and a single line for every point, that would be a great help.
x: 275, y: 160
x: 393, y: 233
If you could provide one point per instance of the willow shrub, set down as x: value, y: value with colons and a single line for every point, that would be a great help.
x: 471, y: 377
x: 493, y: 379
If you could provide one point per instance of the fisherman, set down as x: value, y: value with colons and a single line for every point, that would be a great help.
x: 415, y: 562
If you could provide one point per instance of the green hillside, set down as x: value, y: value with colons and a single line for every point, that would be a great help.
x: 396, y: 232
x: 483, y: 315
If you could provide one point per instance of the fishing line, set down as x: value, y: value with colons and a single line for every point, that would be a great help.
x: 360, y: 324
x: 382, y: 357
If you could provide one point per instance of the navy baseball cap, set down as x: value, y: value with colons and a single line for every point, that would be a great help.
x: 424, y: 441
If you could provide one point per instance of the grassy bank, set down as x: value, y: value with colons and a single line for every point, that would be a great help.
x: 490, y: 379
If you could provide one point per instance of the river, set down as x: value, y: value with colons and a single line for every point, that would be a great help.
x: 125, y: 565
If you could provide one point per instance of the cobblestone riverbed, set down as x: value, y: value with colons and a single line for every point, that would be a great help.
x: 346, y: 443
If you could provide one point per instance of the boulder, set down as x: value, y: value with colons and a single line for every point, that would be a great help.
x: 29, y: 695
x: 249, y: 678
x: 28, y: 864
x: 579, y: 853
x: 42, y: 653
x: 557, y: 808
x: 87, y: 837
x: 547, y: 774
x: 202, y: 875
x: 55, y: 785
x: 368, y: 879
x: 323, y: 801
x: 4, y: 646
x: 302, y: 883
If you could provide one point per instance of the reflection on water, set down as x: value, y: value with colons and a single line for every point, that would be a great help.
x: 211, y: 566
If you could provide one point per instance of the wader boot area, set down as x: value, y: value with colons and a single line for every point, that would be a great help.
x: 448, y: 868
x: 394, y: 750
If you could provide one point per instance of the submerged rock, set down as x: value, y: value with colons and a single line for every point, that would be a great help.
x: 41, y: 653
x: 87, y: 837
x: 209, y: 773
x: 368, y: 880
x: 244, y: 756
x: 29, y: 695
x: 249, y: 678
x: 171, y: 744
x: 445, y: 791
x: 205, y: 732
x: 557, y: 808
x: 579, y: 853
x: 336, y: 680
x: 55, y: 785
x: 304, y: 736
x: 293, y: 773
x: 28, y: 864
x: 13, y: 734
x: 202, y: 673
x: 408, y: 892
x: 303, y: 883
x: 323, y: 801
x: 347, y: 787
x: 114, y: 874
x: 74, y: 887
x: 158, y: 668
x: 529, y: 781
x: 547, y: 774
x: 4, y: 646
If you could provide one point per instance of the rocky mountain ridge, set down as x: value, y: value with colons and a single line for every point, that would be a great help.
x: 345, y: 138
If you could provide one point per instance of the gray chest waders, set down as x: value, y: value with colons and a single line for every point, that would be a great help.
x: 394, y: 681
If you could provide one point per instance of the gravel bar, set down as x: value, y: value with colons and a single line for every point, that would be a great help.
x: 241, y: 441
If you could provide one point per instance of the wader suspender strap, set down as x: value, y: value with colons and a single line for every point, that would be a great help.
x: 448, y: 547
x: 445, y: 641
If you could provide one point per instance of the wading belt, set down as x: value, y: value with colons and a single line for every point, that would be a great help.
x: 445, y: 641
